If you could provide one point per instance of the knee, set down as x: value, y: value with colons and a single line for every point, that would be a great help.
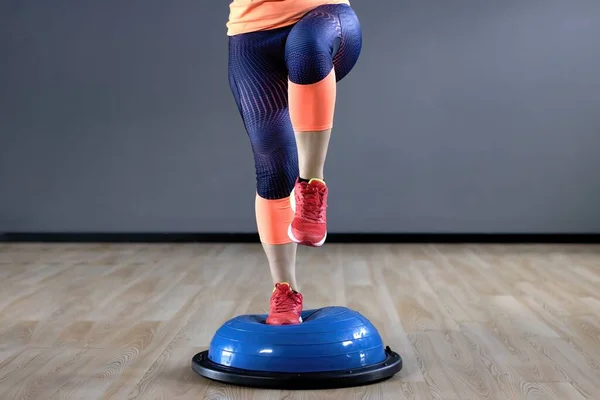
x: 271, y: 140
x: 308, y: 55
x: 276, y: 163
x: 275, y: 178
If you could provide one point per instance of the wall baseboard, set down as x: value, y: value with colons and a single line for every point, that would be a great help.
x: 74, y: 237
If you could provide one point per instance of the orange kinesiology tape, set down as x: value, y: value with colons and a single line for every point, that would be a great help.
x: 312, y: 106
x: 273, y: 218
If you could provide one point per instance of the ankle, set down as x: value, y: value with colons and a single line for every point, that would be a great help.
x: 306, y: 180
x: 311, y: 174
x: 291, y: 282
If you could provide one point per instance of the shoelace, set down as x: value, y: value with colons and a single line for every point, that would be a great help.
x: 313, y: 203
x: 285, y: 302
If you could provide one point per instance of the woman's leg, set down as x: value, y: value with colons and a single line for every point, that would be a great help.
x: 282, y: 263
x: 258, y: 80
x: 321, y: 49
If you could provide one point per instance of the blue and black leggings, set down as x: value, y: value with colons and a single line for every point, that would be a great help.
x: 283, y: 81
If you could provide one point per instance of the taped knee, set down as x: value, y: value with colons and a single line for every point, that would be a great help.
x: 276, y: 162
x: 276, y: 171
x: 310, y: 49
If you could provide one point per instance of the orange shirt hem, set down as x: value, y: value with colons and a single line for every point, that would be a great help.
x: 258, y: 15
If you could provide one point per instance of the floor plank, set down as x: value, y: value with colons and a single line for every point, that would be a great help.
x: 122, y: 321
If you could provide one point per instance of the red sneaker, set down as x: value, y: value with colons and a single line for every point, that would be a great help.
x: 286, y: 306
x: 309, y: 202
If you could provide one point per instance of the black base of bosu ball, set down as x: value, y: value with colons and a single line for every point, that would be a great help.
x: 334, y: 347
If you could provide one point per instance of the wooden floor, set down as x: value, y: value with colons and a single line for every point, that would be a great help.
x: 471, y: 322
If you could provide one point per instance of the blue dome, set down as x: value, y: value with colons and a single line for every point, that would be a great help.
x: 329, y: 339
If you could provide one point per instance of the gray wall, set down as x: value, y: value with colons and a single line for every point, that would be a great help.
x: 461, y: 116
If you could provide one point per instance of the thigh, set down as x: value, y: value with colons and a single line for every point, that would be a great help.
x: 350, y: 44
x: 258, y: 75
x: 258, y: 79
x: 327, y: 37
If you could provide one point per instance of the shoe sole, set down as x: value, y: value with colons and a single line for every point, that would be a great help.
x: 291, y: 234
x: 306, y: 243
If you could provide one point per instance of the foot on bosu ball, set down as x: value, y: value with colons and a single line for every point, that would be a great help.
x: 334, y: 347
